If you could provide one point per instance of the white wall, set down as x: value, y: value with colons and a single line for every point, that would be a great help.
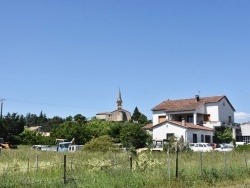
x: 212, y: 109
x: 245, y: 129
x: 190, y: 133
x: 160, y: 132
x: 225, y: 111
x: 156, y: 114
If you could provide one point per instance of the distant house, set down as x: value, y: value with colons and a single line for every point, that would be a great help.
x: 245, y: 133
x: 148, y: 128
x: 194, y: 119
x: 117, y: 115
x: 38, y: 130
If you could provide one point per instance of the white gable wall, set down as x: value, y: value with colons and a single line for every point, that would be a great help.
x: 161, y: 131
x: 245, y: 129
x: 225, y: 111
x: 212, y: 109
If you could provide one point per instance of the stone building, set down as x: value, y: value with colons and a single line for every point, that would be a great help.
x: 117, y: 115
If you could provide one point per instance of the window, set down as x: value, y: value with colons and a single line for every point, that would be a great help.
x: 207, y: 117
x: 202, y: 138
x: 207, y: 138
x: 194, y: 138
x: 190, y: 119
x: 161, y: 119
x: 169, y: 135
x: 229, y: 119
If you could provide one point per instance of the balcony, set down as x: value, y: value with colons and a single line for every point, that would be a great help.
x: 213, y: 124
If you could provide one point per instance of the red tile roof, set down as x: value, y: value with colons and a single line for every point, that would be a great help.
x: 187, y: 104
x: 148, y: 126
x: 187, y: 125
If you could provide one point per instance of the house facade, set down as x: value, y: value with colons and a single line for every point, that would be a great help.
x: 117, y: 115
x: 244, y: 135
x: 187, y: 132
x: 206, y: 112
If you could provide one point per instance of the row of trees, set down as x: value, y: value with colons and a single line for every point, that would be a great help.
x: 12, y: 129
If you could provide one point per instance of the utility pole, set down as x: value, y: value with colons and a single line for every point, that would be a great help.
x: 2, y: 100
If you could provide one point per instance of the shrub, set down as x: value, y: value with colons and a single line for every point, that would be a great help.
x: 100, y: 144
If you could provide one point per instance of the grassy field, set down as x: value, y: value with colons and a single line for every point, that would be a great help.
x: 33, y: 168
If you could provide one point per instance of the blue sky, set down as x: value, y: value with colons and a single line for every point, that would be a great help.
x: 69, y: 57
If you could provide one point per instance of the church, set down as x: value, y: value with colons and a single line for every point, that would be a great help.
x: 118, y: 115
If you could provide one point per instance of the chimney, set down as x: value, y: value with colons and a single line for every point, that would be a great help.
x: 183, y: 122
x: 197, y: 98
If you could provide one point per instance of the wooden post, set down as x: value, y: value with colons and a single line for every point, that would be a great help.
x: 176, y: 162
x: 37, y: 162
x: 245, y: 159
x: 115, y: 159
x: 168, y: 163
x: 201, y: 164
x: 225, y: 162
x: 130, y: 159
x: 28, y: 164
x: 64, y: 169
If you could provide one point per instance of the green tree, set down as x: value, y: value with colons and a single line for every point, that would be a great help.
x: 12, y: 126
x: 143, y: 120
x: 80, y: 118
x: 224, y: 135
x: 136, y: 114
x: 132, y: 135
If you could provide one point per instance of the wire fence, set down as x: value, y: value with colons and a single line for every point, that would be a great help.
x: 66, y: 170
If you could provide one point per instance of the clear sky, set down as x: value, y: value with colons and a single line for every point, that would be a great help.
x: 69, y: 57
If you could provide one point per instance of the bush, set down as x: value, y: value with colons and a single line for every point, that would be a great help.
x: 100, y: 144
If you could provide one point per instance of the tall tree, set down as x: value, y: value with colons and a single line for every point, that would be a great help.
x: 136, y: 114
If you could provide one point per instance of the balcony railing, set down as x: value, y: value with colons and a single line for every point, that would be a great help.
x: 219, y: 124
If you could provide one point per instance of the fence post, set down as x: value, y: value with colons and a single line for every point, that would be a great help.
x: 176, y: 162
x: 115, y: 160
x: 71, y: 164
x: 130, y: 159
x: 36, y: 162
x: 64, y: 169
x: 169, y: 164
x: 245, y: 159
x: 201, y: 163
x: 28, y: 164
x: 225, y: 162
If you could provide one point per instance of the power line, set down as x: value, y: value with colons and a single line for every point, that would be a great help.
x: 54, y: 104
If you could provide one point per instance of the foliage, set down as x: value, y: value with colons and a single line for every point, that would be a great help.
x: 136, y: 114
x: 245, y: 147
x: 223, y: 136
x: 143, y: 120
x: 101, y: 144
x: 80, y: 118
x: 12, y: 125
x: 132, y: 135
x: 69, y: 130
x: 28, y: 137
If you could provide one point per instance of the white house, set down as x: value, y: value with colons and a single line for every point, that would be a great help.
x: 202, y: 114
x: 188, y: 132
x: 245, y: 132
